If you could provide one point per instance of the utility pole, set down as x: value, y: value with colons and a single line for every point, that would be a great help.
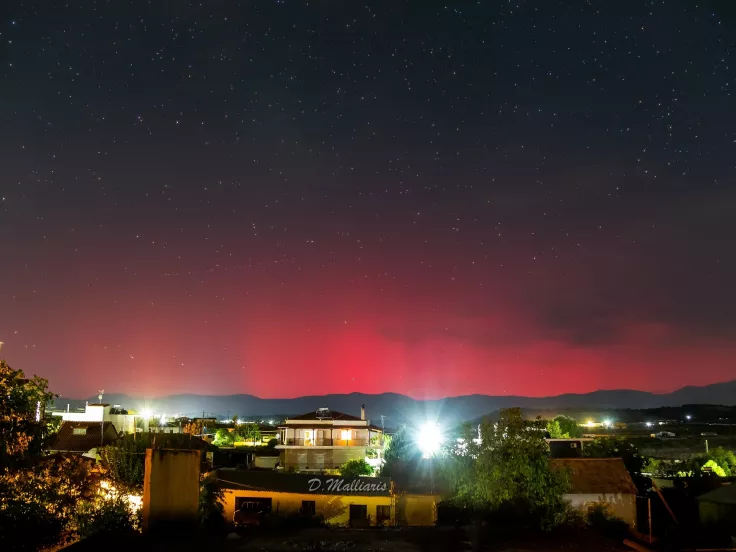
x: 102, y: 426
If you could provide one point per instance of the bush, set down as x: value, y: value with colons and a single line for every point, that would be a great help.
x: 211, y: 510
x: 28, y: 526
x: 602, y: 521
x: 355, y: 468
x: 112, y: 515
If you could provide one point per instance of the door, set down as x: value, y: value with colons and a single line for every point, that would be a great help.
x: 358, y: 515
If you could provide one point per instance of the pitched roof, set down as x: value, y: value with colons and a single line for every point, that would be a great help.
x: 333, y: 415
x: 302, y: 483
x: 69, y: 441
x: 722, y: 495
x: 596, y: 475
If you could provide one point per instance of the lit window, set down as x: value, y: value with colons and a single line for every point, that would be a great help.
x: 345, y: 434
x: 79, y: 431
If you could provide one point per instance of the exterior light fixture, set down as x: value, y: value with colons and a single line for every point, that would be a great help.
x: 429, y: 439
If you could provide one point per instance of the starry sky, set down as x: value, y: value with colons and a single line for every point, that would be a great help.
x: 294, y: 197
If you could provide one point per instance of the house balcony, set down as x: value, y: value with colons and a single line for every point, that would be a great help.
x: 325, y: 442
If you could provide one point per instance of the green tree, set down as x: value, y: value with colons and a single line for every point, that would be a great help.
x: 125, y: 463
x: 555, y: 431
x: 713, y: 467
x: 564, y: 427
x: 111, y: 515
x: 355, y: 468
x: 21, y: 435
x: 211, y: 509
x: 28, y: 526
x: 397, y: 448
x: 46, y: 497
x: 569, y: 426
x: 223, y: 438
x: 250, y: 432
x: 725, y: 459
x: 506, y: 465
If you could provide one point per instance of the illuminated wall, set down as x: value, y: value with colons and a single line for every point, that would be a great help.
x: 171, y: 488
x: 334, y: 508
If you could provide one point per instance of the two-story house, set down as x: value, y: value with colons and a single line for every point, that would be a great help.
x: 326, y: 439
x: 102, y: 412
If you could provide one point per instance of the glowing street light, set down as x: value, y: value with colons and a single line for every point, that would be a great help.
x: 429, y: 439
x: 146, y: 413
x: 607, y: 423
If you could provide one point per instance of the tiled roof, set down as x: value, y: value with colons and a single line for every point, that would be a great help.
x: 596, y: 475
x: 326, y: 415
x: 68, y: 441
x: 301, y: 483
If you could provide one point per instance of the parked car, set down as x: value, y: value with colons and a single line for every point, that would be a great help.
x: 248, y: 516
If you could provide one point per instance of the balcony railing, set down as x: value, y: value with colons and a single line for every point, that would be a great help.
x: 326, y: 442
x: 301, y: 466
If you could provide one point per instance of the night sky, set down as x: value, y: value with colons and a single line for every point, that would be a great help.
x: 433, y: 198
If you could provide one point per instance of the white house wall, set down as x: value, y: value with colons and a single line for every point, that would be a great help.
x: 620, y: 505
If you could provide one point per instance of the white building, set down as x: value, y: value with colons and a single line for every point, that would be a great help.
x: 101, y: 413
x: 327, y: 439
x: 600, y: 482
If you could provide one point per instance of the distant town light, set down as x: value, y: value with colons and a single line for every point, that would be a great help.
x: 649, y: 424
x: 688, y: 417
x: 590, y: 423
x: 607, y: 423
x: 429, y: 439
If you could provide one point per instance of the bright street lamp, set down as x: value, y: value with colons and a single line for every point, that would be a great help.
x: 429, y: 439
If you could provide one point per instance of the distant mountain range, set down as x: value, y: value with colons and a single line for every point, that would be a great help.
x: 397, y: 409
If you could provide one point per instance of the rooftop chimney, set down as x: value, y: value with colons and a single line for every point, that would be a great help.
x: 362, y: 412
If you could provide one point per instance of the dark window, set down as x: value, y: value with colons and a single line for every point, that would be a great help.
x: 358, y: 511
x: 309, y: 507
x: 383, y: 514
x: 254, y: 504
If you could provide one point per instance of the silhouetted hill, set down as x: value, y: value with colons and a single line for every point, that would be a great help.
x: 399, y: 408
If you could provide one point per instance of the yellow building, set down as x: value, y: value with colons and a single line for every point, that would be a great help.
x: 354, y: 502
x: 416, y: 510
